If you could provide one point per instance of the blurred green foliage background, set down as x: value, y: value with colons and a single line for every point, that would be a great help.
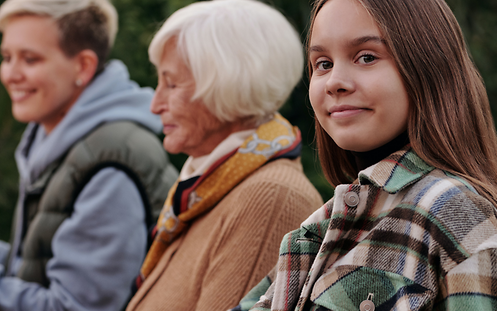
x: 140, y: 19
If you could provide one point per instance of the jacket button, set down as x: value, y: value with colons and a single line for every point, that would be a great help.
x: 351, y: 199
x: 366, y: 305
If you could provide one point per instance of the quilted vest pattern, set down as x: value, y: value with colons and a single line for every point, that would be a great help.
x: 50, y: 199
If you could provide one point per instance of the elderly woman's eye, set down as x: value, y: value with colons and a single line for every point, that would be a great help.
x: 169, y: 83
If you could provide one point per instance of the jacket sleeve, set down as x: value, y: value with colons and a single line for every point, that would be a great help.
x: 471, y: 284
x: 265, y: 286
x: 97, y: 252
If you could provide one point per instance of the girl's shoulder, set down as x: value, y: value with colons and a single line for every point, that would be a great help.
x: 452, y: 207
x: 404, y: 173
x: 439, y: 189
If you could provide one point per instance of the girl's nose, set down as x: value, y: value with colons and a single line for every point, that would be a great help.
x: 340, y: 81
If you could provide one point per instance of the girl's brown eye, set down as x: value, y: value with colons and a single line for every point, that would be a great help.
x: 367, y: 58
x: 324, y: 65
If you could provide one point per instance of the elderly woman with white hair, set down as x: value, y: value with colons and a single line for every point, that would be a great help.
x: 225, y: 67
x: 91, y: 167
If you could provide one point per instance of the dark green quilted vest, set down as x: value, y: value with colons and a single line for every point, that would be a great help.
x: 50, y: 199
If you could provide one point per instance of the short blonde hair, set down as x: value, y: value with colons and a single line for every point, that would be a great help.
x: 83, y: 24
x: 244, y: 55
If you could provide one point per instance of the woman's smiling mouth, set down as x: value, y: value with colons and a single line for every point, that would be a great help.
x: 18, y: 95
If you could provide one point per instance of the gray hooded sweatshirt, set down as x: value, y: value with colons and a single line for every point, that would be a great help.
x: 80, y: 279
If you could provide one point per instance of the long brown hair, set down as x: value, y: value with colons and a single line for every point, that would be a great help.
x: 450, y: 125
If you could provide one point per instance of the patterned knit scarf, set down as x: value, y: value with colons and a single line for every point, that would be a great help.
x: 196, y: 196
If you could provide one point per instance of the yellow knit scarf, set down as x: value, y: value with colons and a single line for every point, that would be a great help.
x: 189, y: 199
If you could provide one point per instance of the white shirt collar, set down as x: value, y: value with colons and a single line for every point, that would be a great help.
x: 197, y: 166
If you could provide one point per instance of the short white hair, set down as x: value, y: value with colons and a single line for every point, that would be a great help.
x: 57, y: 9
x: 244, y: 55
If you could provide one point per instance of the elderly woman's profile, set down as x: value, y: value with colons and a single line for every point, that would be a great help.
x: 224, y: 69
x: 91, y: 167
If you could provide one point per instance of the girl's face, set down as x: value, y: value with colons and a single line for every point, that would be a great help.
x: 356, y: 91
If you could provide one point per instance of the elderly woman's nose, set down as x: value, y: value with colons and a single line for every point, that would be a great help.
x: 159, y: 103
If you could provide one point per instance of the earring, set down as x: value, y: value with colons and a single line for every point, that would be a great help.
x: 79, y: 82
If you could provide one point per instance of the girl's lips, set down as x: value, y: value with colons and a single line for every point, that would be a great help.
x: 345, y: 111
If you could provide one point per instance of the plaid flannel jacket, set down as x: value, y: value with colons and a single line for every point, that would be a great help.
x: 405, y: 235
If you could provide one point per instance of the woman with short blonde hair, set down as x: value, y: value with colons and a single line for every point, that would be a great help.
x: 91, y: 168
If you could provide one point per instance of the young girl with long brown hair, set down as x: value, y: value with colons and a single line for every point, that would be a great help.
x: 405, y: 133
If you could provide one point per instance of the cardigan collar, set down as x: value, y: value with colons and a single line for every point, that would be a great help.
x: 397, y: 171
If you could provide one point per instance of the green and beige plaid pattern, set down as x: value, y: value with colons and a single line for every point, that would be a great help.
x: 413, y: 238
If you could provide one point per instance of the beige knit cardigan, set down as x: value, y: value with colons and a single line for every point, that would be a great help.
x: 226, y: 252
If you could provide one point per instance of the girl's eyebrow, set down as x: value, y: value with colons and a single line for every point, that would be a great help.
x: 364, y: 39
x: 354, y: 43
x: 317, y: 48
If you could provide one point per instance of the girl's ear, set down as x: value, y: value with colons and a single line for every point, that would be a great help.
x: 86, y: 66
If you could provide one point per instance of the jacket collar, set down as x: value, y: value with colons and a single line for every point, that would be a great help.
x: 397, y: 171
